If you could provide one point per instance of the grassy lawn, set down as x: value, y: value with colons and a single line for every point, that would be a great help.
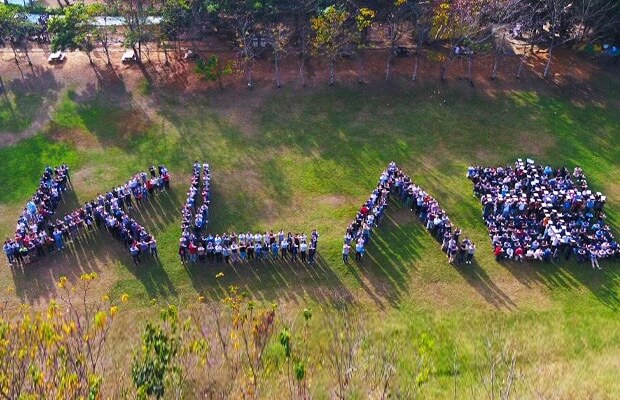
x: 18, y: 109
x: 302, y: 160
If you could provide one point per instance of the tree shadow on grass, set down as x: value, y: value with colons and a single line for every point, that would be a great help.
x: 272, y: 279
x: 478, y: 279
x: 603, y: 285
x: 393, y: 249
x: 92, y: 250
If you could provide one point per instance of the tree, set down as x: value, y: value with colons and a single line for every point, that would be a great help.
x: 242, y: 16
x: 135, y: 14
x: 466, y: 26
x: 363, y: 21
x: 398, y: 21
x: 73, y: 29
x: 295, y: 348
x: 279, y: 36
x: 596, y: 20
x: 155, y: 365
x: 57, y: 353
x: 176, y: 18
x: 342, y: 349
x: 103, y: 33
x: 15, y: 28
x: 213, y: 69
x: 302, y: 10
x: 335, y: 30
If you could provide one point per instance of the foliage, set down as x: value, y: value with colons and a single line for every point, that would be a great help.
x: 15, y: 27
x: 57, y: 353
x: 160, y: 346
x: 72, y: 29
x: 213, y: 70
x: 334, y: 31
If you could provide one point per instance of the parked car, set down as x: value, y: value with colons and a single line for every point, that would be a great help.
x: 129, y: 56
x: 56, y: 58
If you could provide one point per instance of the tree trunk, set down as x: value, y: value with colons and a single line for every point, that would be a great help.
x: 136, y: 52
x: 166, y: 62
x: 107, y: 52
x: 497, y: 58
x: 60, y: 4
x: 27, y: 54
x: 495, y: 67
x: 388, y: 66
x: 360, y: 68
x: 250, y: 75
x: 520, y: 68
x: 302, y: 65
x: 521, y: 62
x: 331, y: 72
x: 277, y: 70
x: 90, y: 59
x: 415, y: 68
x: 548, y: 61
x: 14, y: 52
x: 469, y: 68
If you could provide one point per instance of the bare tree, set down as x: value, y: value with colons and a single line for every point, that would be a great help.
x: 279, y: 36
x: 398, y: 24
x: 558, y: 25
x: 501, y: 374
x: 380, y: 371
x: 341, y: 351
x: 596, y: 20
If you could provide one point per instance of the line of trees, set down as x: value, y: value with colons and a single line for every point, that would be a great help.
x: 330, y: 29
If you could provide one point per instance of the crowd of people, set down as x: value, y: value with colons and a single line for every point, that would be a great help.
x: 394, y: 182
x: 536, y: 212
x: 39, y: 233
x: 196, y: 245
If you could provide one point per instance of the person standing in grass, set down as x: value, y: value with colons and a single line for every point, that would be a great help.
x: 345, y: 252
x: 471, y: 250
x: 210, y: 251
x: 234, y: 252
x: 8, y: 250
x: 218, y: 253
x: 284, y: 248
x: 274, y: 250
x: 153, y: 247
x: 303, y: 250
x: 193, y: 252
x: 135, y: 253
x: 243, y: 254
x: 311, y: 252
x: 226, y: 254
x: 294, y: 251
x: 359, y: 250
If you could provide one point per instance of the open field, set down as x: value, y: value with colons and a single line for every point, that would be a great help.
x: 306, y: 159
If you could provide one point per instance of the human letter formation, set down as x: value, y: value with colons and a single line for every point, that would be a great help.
x: 195, y: 245
x: 532, y: 212
x: 38, y: 232
x: 394, y: 181
x: 540, y: 213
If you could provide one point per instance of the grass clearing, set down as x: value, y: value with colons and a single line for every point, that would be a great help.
x: 308, y: 160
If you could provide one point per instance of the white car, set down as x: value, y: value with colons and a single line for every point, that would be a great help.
x: 129, y: 56
x: 56, y: 57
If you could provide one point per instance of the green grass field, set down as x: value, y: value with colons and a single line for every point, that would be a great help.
x: 300, y: 160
